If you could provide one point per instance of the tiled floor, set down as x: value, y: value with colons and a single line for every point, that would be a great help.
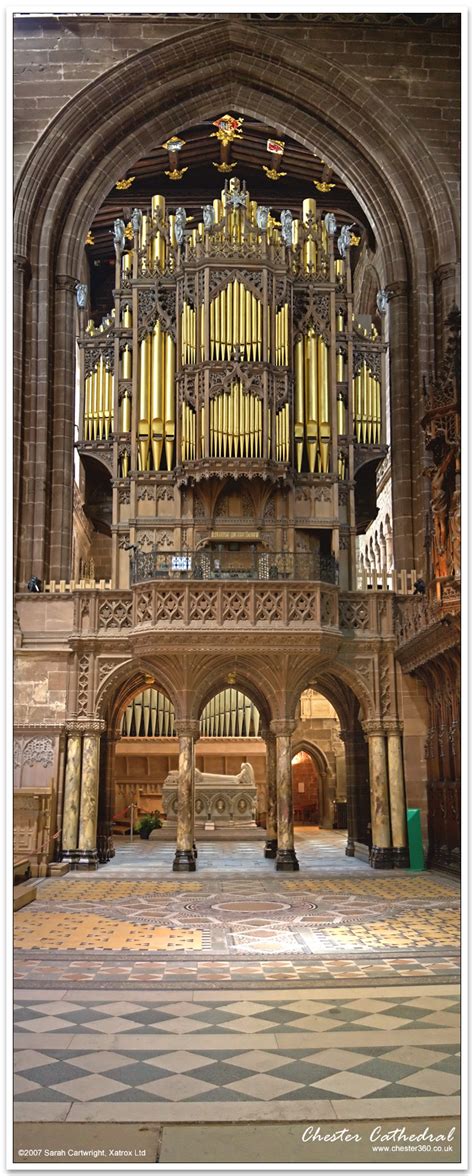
x: 238, y: 994
x: 215, y: 1055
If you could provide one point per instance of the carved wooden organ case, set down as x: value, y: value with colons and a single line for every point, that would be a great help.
x: 232, y: 393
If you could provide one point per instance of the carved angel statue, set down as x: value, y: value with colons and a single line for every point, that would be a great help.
x: 81, y: 295
x: 208, y: 216
x: 331, y: 223
x: 286, y: 221
x: 455, y: 533
x: 180, y: 225
x: 136, y: 219
x: 263, y: 214
x: 344, y: 239
x: 119, y: 237
x: 382, y: 301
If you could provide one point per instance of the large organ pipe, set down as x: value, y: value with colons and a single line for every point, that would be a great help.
x: 358, y: 405
x: 299, y: 402
x: 223, y: 321
x: 127, y: 362
x: 144, y: 402
x: 248, y: 324
x: 170, y: 350
x: 157, y: 395
x: 312, y: 400
x: 363, y: 378
x: 341, y: 414
x: 309, y: 251
x: 143, y: 244
x: 378, y: 411
x: 323, y: 405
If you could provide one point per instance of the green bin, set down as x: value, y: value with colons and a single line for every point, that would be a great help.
x: 415, y: 843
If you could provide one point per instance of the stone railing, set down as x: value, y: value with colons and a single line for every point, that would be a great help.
x: 217, y: 605
x: 418, y: 613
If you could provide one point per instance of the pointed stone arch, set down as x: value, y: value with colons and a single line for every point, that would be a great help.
x: 111, y: 122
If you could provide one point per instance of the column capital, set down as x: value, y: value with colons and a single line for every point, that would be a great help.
x: 393, y: 727
x: 85, y: 726
x: 373, y: 727
x: 65, y: 282
x: 189, y: 727
x: 282, y: 726
x: 267, y: 735
x: 396, y: 290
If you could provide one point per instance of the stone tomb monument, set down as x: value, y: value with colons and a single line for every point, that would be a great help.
x: 220, y: 799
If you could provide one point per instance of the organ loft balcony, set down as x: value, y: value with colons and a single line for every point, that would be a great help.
x: 232, y: 413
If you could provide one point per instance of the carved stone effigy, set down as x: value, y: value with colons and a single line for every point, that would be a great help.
x: 218, y: 798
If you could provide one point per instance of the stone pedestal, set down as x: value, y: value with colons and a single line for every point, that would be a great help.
x: 72, y: 792
x: 381, y: 857
x: 286, y: 857
x: 396, y: 783
x: 88, y: 857
x: 271, y: 842
x: 185, y: 858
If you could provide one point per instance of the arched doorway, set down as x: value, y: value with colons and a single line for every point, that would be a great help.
x: 306, y: 789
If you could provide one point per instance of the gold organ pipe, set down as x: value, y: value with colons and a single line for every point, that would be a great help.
x: 309, y: 252
x: 158, y: 249
x: 157, y: 396
x: 339, y: 367
x: 323, y: 406
x: 229, y: 314
x: 125, y: 414
x: 357, y: 382
x: 172, y: 222
x: 127, y: 262
x: 144, y: 402
x: 93, y: 410
x: 202, y: 329
x: 370, y: 408
x: 242, y: 293
x: 87, y: 407
x: 252, y: 424
x: 143, y: 242
x: 378, y: 410
x: 217, y: 326
x: 341, y: 414
x: 260, y: 329
x: 339, y: 266
x: 364, y: 402
x: 211, y: 329
x: 170, y: 360
x: 339, y: 322
x: 223, y: 315
x: 312, y: 402
x: 248, y: 324
x: 101, y: 397
x: 299, y: 402
x: 127, y: 316
x: 255, y: 354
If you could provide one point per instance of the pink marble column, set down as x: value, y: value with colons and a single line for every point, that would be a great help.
x: 286, y: 857
x: 271, y: 843
x: 381, y: 857
x: 184, y: 859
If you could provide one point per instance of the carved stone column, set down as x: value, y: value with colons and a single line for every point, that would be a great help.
x: 61, y: 426
x: 286, y: 857
x: 401, y: 441
x: 271, y: 843
x: 105, y: 845
x: 184, y: 859
x: 88, y: 858
x: 71, y: 801
x: 21, y: 280
x: 381, y: 852
x: 396, y: 785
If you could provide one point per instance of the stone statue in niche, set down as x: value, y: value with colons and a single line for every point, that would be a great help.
x: 180, y: 225
x: 439, y: 513
x: 455, y: 534
x: 208, y: 216
x: 119, y: 237
x: 286, y: 221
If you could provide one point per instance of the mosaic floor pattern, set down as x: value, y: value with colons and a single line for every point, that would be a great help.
x: 221, y: 1056
x: 236, y: 916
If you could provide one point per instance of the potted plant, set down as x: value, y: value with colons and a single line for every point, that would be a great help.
x: 146, y: 823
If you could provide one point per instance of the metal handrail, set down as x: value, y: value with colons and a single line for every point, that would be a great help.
x: 229, y: 565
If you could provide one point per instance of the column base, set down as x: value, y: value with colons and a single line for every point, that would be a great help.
x: 195, y: 852
x: 381, y: 857
x: 71, y: 856
x: 88, y: 860
x: 286, y: 859
x: 271, y: 846
x: 184, y: 861
x: 401, y: 858
x: 349, y: 850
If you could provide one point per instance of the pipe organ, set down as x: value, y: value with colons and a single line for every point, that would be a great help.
x: 229, y: 714
x: 233, y: 347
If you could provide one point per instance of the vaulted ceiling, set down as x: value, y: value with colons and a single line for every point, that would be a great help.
x: 202, y: 182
